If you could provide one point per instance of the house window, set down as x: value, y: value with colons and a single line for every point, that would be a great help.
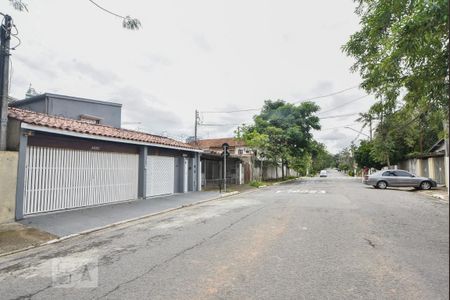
x: 90, y: 119
x: 240, y: 151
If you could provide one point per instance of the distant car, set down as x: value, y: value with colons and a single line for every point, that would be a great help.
x: 323, y: 173
x: 398, y: 178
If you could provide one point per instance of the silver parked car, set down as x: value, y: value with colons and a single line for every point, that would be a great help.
x: 398, y: 178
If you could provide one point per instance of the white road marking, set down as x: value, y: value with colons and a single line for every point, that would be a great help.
x: 304, y: 191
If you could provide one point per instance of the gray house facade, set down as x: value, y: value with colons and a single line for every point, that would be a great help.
x: 87, y: 110
x: 66, y: 163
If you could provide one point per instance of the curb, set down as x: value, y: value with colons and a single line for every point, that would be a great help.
x: 440, y: 197
x: 60, y: 239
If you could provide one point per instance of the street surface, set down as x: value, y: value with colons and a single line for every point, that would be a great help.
x: 322, y: 238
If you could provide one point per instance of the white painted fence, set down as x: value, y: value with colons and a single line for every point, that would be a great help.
x: 57, y: 179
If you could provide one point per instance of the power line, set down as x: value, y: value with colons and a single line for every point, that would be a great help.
x: 338, y: 116
x: 106, y: 10
x: 308, y: 99
x: 230, y: 111
x: 211, y: 125
x: 127, y: 21
x: 337, y: 127
x: 343, y: 104
x: 328, y: 95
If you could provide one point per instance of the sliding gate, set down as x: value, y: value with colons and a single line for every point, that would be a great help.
x: 57, y: 178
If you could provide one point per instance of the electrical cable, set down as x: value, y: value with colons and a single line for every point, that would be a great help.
x: 308, y: 99
x: 108, y: 11
x: 343, y: 104
x: 230, y: 111
x: 338, y: 116
x: 328, y: 95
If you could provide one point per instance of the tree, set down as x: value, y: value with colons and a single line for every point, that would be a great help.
x: 282, y: 131
x: 402, y: 46
x: 320, y: 157
x: 127, y: 21
x: 364, y: 156
x: 366, y: 119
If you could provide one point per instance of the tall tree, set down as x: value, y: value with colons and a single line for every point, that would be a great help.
x: 283, y: 130
x: 402, y: 47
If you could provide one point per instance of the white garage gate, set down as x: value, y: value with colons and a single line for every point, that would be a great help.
x: 58, y: 178
x: 160, y: 175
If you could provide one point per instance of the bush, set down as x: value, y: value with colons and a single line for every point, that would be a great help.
x: 256, y: 183
x: 351, y: 173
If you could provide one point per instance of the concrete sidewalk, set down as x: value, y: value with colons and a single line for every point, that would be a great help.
x: 71, y: 222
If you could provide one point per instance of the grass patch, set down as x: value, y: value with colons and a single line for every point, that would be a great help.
x: 256, y: 183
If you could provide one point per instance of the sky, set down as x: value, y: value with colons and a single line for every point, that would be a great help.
x: 209, y: 55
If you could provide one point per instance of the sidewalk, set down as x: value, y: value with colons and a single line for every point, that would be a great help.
x: 439, y: 193
x: 71, y: 222
x: 50, y: 227
x: 15, y: 236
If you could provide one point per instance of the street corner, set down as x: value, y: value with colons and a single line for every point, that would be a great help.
x: 15, y: 237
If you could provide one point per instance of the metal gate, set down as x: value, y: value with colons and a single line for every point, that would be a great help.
x: 439, y: 165
x: 160, y: 175
x: 57, y: 179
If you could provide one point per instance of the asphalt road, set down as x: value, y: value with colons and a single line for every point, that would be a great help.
x: 324, y: 238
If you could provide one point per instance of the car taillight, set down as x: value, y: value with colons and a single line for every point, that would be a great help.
x: 366, y: 177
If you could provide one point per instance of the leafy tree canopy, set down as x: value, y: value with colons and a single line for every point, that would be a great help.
x: 402, y: 48
x: 282, y: 131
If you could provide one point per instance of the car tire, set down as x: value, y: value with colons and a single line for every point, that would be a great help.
x: 375, y: 186
x: 425, y: 185
x: 382, y: 185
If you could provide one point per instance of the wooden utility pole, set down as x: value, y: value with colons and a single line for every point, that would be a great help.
x: 195, y: 127
x: 5, y: 37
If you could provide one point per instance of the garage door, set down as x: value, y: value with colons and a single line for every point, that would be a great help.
x: 57, y: 179
x: 160, y: 175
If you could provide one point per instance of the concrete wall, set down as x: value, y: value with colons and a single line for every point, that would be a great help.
x: 111, y: 115
x: 8, y: 181
x: 13, y: 137
x: 431, y: 167
x: 73, y: 107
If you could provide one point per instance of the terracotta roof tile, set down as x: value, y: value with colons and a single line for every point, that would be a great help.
x: 217, y: 143
x: 40, y: 119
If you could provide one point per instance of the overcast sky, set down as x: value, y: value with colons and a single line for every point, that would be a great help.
x: 208, y: 55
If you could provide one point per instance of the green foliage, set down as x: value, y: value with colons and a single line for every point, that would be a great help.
x: 364, y: 156
x: 301, y: 164
x: 256, y: 183
x: 282, y: 132
x: 401, y: 53
x: 321, y: 158
x: 402, y: 47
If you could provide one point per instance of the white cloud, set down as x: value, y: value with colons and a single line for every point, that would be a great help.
x: 199, y: 54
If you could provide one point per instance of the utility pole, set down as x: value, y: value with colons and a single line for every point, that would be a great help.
x: 196, y: 124
x: 5, y: 37
x: 225, y: 171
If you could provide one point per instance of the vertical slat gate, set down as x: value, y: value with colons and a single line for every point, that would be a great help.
x: 160, y: 175
x: 57, y: 179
